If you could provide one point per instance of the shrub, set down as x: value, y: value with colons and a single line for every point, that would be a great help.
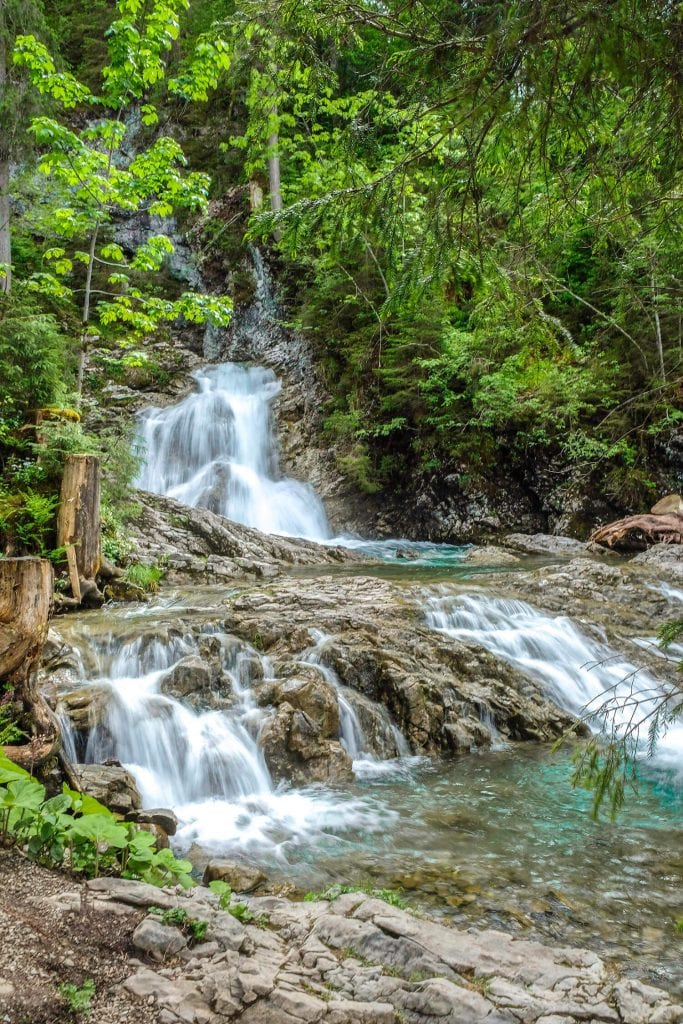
x: 76, y: 831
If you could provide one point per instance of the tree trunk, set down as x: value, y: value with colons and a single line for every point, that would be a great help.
x: 78, y: 523
x: 26, y: 586
x: 5, y: 238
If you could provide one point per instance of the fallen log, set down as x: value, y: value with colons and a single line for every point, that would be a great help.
x: 26, y: 586
x: 636, y: 533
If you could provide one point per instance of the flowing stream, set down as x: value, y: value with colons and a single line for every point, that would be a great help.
x: 496, y: 837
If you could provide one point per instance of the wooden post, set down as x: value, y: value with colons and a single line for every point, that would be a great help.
x: 26, y: 586
x: 78, y: 523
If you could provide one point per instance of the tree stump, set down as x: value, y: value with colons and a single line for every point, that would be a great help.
x: 26, y: 586
x: 78, y: 525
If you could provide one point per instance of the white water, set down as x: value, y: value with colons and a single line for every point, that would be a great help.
x: 366, y: 764
x: 578, y: 673
x: 216, y: 449
x: 208, y: 765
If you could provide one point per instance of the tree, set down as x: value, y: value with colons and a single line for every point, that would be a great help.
x: 16, y: 16
x: 101, y: 172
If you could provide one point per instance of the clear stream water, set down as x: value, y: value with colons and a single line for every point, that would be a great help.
x: 497, y: 837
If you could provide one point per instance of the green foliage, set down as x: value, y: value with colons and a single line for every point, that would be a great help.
x: 223, y: 891
x: 390, y: 896
x: 95, y: 177
x: 76, y: 831
x: 35, y: 356
x: 180, y: 918
x: 147, y: 577
x: 79, y: 1000
x: 10, y: 731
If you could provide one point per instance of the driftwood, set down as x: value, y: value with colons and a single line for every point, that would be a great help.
x: 636, y: 533
x: 78, y: 526
x: 26, y: 586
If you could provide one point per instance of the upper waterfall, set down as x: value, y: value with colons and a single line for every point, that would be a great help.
x: 216, y: 449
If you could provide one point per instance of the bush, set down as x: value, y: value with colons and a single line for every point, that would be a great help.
x: 35, y: 357
x: 76, y: 831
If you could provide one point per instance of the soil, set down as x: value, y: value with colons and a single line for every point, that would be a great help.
x: 43, y: 948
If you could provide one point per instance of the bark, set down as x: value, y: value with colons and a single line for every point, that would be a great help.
x: 636, y: 533
x: 78, y: 523
x: 5, y: 238
x: 26, y: 586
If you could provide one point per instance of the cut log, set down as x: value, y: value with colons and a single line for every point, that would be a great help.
x: 78, y: 522
x: 636, y: 533
x: 26, y: 586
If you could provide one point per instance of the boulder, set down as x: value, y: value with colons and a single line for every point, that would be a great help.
x: 545, y: 544
x: 490, y: 554
x: 160, y: 816
x: 190, y: 675
x: 112, y: 785
x: 670, y: 503
x: 240, y: 877
x: 86, y: 708
x: 295, y: 749
x: 158, y: 940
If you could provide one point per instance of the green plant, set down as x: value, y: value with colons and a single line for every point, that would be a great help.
x: 79, y: 999
x: 223, y: 891
x: 179, y: 918
x: 146, y: 577
x: 242, y: 912
x: 390, y: 896
x: 76, y: 831
x: 10, y: 731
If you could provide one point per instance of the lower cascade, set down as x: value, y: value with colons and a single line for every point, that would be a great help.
x: 207, y: 764
x: 577, y: 673
x: 216, y: 449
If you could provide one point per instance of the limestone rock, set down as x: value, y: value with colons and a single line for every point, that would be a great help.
x: 240, y: 877
x: 161, y: 816
x: 112, y: 785
x: 670, y: 503
x: 545, y: 544
x: 158, y: 940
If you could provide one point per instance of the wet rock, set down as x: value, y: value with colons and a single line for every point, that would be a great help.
x: 240, y: 877
x: 544, y: 544
x: 296, y: 749
x: 489, y: 554
x: 316, y: 699
x: 161, y: 816
x: 190, y: 675
x: 86, y: 708
x: 667, y: 559
x: 198, y: 543
x: 113, y: 786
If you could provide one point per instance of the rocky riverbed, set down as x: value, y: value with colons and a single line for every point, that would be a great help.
x: 350, y: 960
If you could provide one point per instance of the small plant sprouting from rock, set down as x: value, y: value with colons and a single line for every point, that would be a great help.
x: 180, y: 918
x: 390, y: 896
x: 223, y: 891
x: 146, y: 577
x: 78, y: 999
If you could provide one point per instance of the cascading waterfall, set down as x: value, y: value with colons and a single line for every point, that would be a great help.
x: 216, y: 449
x: 207, y: 765
x: 353, y: 738
x: 575, y: 671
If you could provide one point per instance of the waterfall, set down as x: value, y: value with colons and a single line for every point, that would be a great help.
x: 575, y: 671
x: 216, y: 449
x: 353, y: 737
x: 206, y: 764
